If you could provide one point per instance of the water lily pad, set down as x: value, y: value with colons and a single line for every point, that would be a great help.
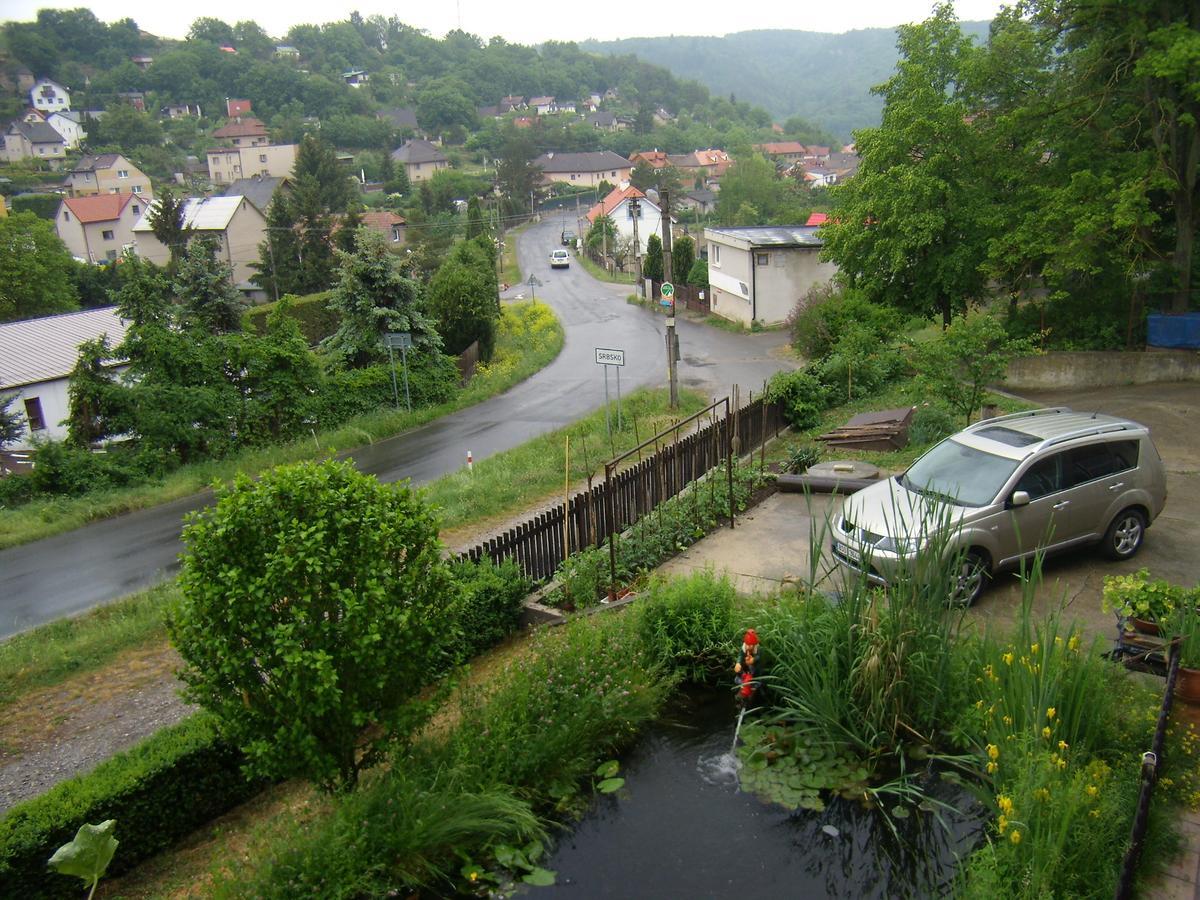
x: 609, y: 785
x: 608, y: 769
x: 540, y: 877
x: 900, y: 812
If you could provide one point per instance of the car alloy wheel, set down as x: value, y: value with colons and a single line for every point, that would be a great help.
x: 1125, y: 535
x: 968, y: 579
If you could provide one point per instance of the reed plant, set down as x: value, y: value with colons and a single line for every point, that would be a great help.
x: 688, y: 624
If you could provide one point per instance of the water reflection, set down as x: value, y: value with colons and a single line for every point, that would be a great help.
x: 681, y: 828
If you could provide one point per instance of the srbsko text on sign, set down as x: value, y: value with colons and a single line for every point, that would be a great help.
x: 609, y: 357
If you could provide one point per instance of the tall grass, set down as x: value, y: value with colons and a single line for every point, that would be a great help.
x: 529, y: 338
x: 52, y: 653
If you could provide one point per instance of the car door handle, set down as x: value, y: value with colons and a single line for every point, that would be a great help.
x: 1061, y: 504
x: 1117, y: 486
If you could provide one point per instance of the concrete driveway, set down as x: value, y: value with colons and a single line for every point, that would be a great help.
x: 772, y: 544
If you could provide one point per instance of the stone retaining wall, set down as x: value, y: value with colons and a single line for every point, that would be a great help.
x: 1092, y: 369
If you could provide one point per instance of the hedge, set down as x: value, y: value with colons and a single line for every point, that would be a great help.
x: 158, y: 791
x: 316, y: 320
x: 43, y: 205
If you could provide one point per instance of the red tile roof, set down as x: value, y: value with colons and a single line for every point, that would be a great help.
x: 781, y: 148
x: 612, y: 201
x: 98, y: 208
x: 817, y: 219
x: 655, y: 158
x: 247, y: 127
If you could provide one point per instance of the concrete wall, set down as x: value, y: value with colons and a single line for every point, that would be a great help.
x: 88, y: 241
x: 1067, y: 369
x: 788, y: 275
x: 424, y: 171
x: 616, y: 177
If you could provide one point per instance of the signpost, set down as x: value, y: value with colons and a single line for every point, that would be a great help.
x: 533, y: 282
x: 668, y: 294
x: 402, y: 341
x: 606, y: 356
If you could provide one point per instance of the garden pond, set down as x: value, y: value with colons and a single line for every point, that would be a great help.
x: 681, y: 826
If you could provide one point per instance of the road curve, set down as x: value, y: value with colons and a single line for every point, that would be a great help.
x: 75, y: 571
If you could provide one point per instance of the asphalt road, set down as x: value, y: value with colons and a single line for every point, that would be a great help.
x: 70, y: 573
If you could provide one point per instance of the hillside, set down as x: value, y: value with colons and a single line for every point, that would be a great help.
x: 824, y: 78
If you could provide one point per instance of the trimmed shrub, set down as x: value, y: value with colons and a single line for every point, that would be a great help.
x: 159, y: 791
x: 824, y: 315
x: 803, y: 395
x: 432, y: 379
x: 42, y: 205
x: 490, y: 601
x: 311, y: 312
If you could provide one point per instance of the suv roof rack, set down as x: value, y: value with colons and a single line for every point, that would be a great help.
x: 1027, y: 414
x: 1090, y: 430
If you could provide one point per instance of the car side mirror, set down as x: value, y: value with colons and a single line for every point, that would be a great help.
x: 1019, y: 498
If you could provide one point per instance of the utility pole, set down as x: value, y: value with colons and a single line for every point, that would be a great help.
x: 635, y: 210
x: 672, y: 341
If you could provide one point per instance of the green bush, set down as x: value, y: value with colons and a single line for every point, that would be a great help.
x: 311, y: 312
x: 930, y: 424
x: 43, y: 205
x: 159, y: 791
x: 824, y: 315
x: 687, y: 624
x: 491, y: 597
x: 802, y: 393
x: 432, y: 379
x: 61, y: 468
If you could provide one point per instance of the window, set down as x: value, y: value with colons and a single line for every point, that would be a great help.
x: 237, y: 142
x: 107, y: 235
x: 137, y: 210
x: 33, y: 412
x: 395, y: 232
x: 714, y: 254
x: 122, y: 173
x: 110, y: 255
x: 66, y: 216
x: 762, y: 259
x: 262, y: 157
x: 1043, y: 477
x: 1099, y: 460
x: 137, y: 189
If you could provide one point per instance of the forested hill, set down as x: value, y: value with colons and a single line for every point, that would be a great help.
x: 823, y: 78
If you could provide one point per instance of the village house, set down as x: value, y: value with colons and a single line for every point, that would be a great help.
x: 36, y: 360
x: 232, y: 222
x: 401, y: 118
x: 356, y: 78
x: 49, y: 96
x: 605, y: 120
x: 619, y: 208
x: 656, y: 159
x: 392, y: 227
x: 286, y: 51
x: 99, y: 227
x: 586, y: 169
x: 707, y: 164
x: 34, y: 140
x: 787, y: 151
x: 227, y: 164
x: 180, y: 111
x: 243, y: 131
x: 759, y: 273
x: 136, y: 99
x: 142, y: 62
x: 260, y: 190
x: 700, y: 200
x: 235, y: 108
x: 109, y: 173
x: 69, y: 124
x: 543, y: 106
x: 511, y: 102
x: 421, y: 159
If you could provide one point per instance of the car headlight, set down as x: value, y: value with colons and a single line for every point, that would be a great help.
x: 902, y: 545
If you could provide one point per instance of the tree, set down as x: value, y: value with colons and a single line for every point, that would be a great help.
x: 475, y: 226
x: 601, y: 238
x: 210, y: 29
x: 35, y: 269
x: 372, y: 297
x: 652, y: 262
x: 125, y: 128
x: 89, y: 394
x: 683, y: 254
x: 167, y: 223
x: 909, y: 229
x: 972, y: 353
x: 343, y: 238
x: 444, y: 103
x: 313, y: 608
x: 645, y: 176
x: 278, y: 267
x: 516, y: 175
x: 462, y: 297
x: 12, y: 421
x: 318, y: 160
x: 752, y: 184
x: 698, y: 274
x: 204, y: 285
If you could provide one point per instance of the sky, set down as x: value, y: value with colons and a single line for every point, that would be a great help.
x: 529, y: 21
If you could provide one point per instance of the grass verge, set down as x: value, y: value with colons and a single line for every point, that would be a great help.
x: 530, y: 338
x: 601, y: 275
x: 510, y: 269
x: 52, y: 653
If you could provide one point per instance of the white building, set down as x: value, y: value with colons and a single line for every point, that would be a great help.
x: 69, y: 124
x: 49, y: 96
x: 759, y: 273
x: 617, y: 207
x: 36, y: 358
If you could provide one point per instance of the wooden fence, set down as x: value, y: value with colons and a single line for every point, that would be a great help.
x: 537, y: 545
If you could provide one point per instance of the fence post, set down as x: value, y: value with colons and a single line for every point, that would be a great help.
x: 729, y: 465
x: 612, y: 531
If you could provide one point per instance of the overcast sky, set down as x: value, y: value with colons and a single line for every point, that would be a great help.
x: 530, y: 21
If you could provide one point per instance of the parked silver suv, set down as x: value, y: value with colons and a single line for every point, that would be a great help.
x: 1003, y: 489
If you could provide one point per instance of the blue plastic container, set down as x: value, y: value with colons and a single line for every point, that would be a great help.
x: 1180, y: 332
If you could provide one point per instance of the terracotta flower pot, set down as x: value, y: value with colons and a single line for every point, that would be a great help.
x: 1144, y: 626
x: 1187, y: 685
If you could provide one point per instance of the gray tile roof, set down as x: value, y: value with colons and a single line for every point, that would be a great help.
x: 774, y: 235
x: 401, y: 117
x: 258, y: 189
x: 38, y: 132
x: 596, y: 161
x: 92, y: 163
x: 418, y: 152
x: 36, y: 350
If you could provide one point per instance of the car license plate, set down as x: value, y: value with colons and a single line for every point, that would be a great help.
x: 846, y: 552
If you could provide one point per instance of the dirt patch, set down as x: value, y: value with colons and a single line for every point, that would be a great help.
x: 54, y: 733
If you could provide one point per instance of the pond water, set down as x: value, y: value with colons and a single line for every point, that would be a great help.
x: 681, y: 828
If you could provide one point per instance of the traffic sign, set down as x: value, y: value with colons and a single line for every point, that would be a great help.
x: 609, y: 357
x: 398, y: 340
x: 667, y: 289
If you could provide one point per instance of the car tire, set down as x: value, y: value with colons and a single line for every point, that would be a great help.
x: 1125, y: 534
x: 969, y: 579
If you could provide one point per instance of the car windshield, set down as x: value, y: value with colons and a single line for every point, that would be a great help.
x: 955, y: 472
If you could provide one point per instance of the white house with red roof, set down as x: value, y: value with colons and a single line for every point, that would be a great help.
x: 97, y: 228
x: 617, y: 207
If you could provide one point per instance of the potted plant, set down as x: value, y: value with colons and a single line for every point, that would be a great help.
x: 1141, y: 604
x: 1183, y: 627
